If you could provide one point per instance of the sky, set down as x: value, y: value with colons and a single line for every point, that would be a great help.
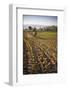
x: 39, y: 20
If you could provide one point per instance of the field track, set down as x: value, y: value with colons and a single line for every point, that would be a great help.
x: 38, y: 56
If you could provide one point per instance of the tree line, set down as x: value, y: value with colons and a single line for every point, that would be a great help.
x: 48, y: 28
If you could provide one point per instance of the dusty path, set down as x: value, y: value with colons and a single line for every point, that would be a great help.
x: 29, y: 35
x: 38, y: 60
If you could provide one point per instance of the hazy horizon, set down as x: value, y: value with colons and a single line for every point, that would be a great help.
x: 39, y: 21
x: 36, y: 26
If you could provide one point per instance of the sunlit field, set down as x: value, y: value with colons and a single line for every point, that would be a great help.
x: 39, y: 52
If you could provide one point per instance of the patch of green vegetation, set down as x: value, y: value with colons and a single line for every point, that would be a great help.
x: 46, y: 35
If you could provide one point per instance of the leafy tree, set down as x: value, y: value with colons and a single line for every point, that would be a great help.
x: 35, y: 31
x: 30, y: 28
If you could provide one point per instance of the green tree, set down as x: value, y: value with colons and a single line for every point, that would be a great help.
x: 35, y: 31
x: 30, y: 28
